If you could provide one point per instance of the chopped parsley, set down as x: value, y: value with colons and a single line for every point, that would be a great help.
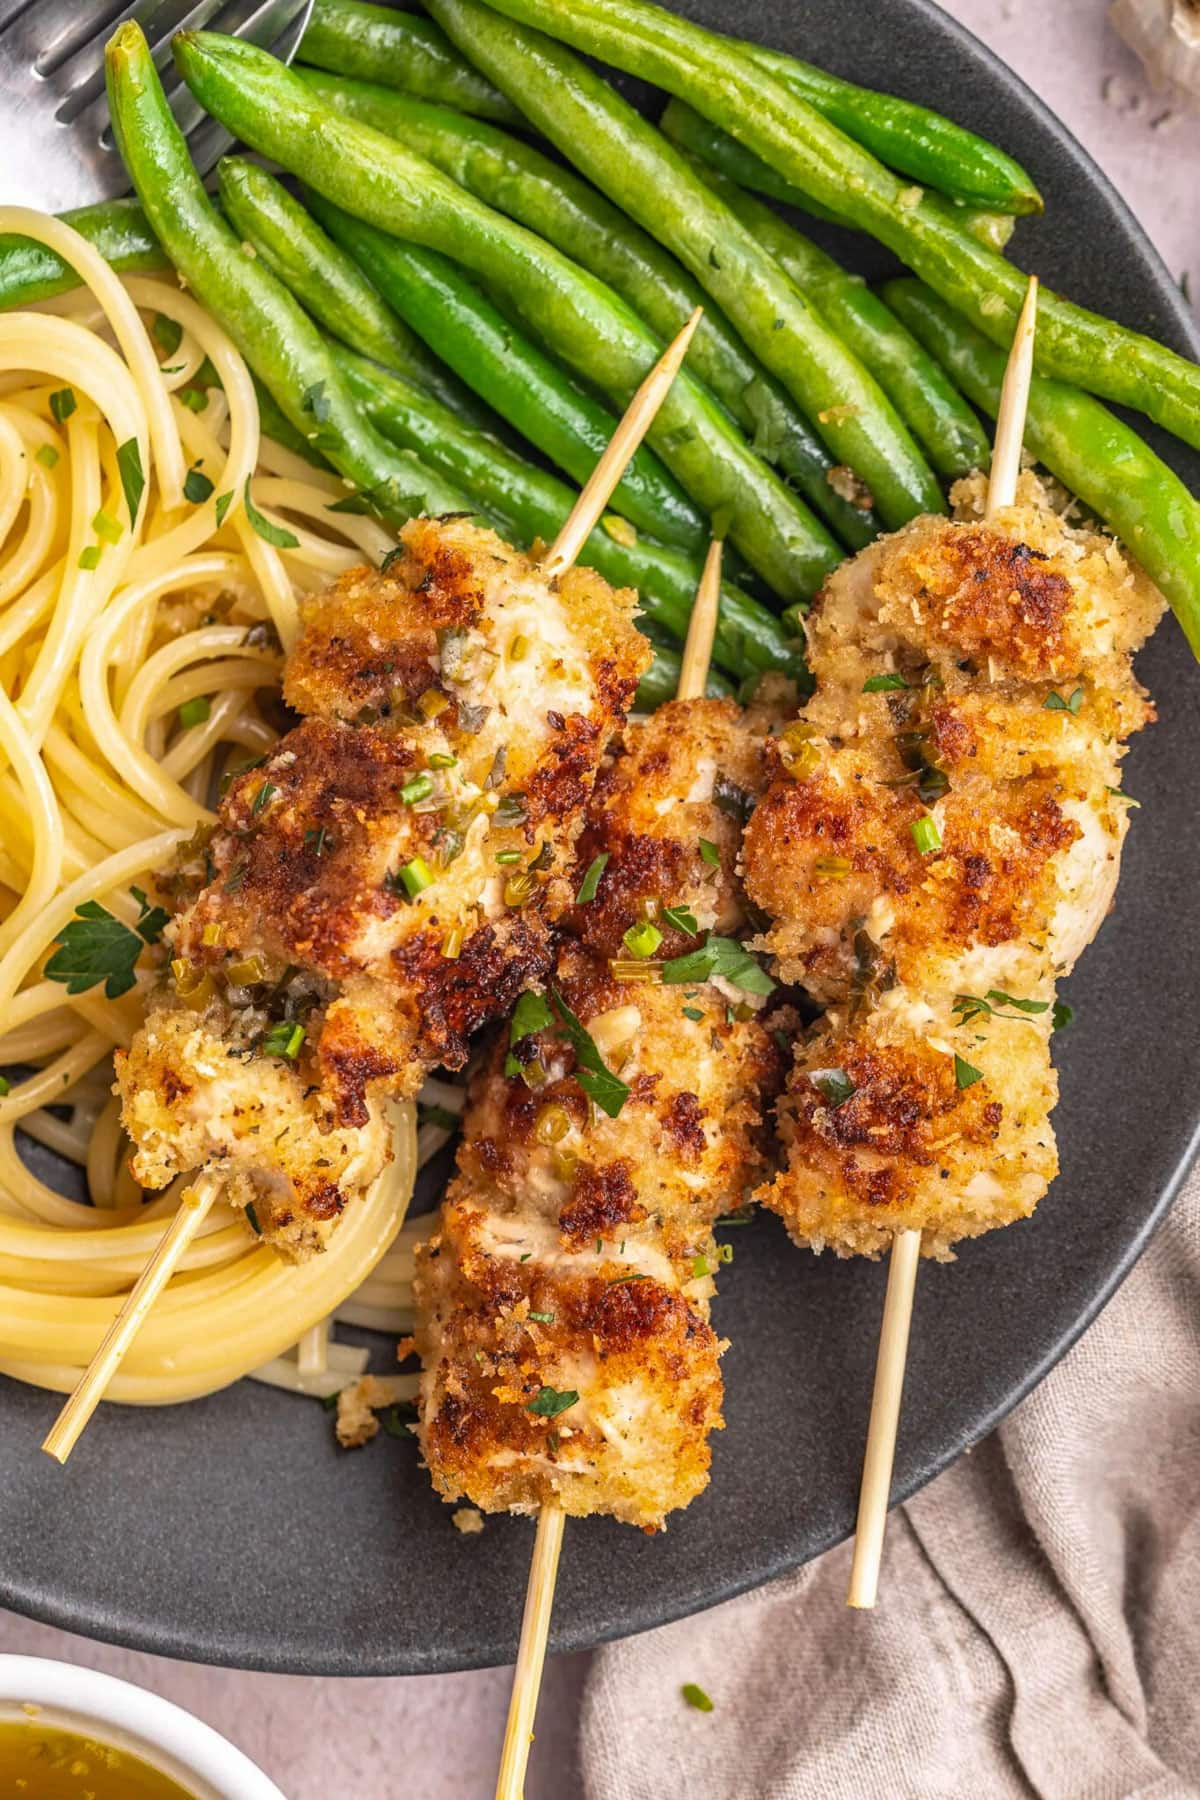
x: 883, y: 684
x: 681, y: 918
x: 550, y: 1402
x: 1062, y: 1016
x: 724, y: 957
x: 1056, y: 703
x: 965, y: 1073
x: 133, y: 478
x: 270, y: 534
x: 696, y: 1696
x: 591, y: 880
x: 970, y: 1007
x: 833, y: 1085
x: 150, y: 919
x: 97, y: 947
x: 316, y: 401
x: 602, y: 1087
x: 197, y: 487
x: 694, y: 1013
x: 710, y: 853
x: 223, y: 504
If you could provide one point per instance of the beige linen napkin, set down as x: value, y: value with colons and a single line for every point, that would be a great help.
x: 1039, y: 1632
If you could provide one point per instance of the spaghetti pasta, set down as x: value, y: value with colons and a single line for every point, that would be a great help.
x: 142, y: 621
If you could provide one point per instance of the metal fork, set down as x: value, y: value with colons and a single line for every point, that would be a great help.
x: 56, y: 145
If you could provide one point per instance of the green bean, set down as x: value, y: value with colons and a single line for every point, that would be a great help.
x: 582, y: 321
x: 518, y: 180
x: 924, y: 144
x: 736, y: 93
x: 610, y: 142
x: 329, y: 285
x: 278, y: 340
x: 683, y: 125
x: 30, y: 271
x: 660, y: 683
x: 929, y: 403
x: 533, y: 504
x: 1089, y: 449
x: 528, y: 390
x: 377, y: 43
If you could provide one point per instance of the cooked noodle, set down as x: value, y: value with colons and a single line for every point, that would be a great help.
x: 105, y: 633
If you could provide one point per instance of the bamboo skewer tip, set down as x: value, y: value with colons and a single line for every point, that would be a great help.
x: 193, y: 1208
x: 586, y: 513
x: 883, y: 1424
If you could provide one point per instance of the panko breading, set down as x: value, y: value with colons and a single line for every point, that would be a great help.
x: 941, y: 839
x: 383, y: 882
x: 910, y: 1147
x: 685, y: 777
x: 575, y: 1256
x: 563, y: 1303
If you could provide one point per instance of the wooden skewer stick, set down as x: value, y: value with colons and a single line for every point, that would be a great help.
x: 539, y: 1595
x: 906, y: 1245
x: 586, y: 512
x: 186, y: 1222
x: 584, y: 515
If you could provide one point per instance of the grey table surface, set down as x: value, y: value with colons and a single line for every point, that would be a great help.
x: 327, y: 1740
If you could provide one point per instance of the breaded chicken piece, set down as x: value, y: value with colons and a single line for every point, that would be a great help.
x: 880, y: 1134
x: 383, y: 882
x: 563, y: 1302
x: 941, y: 840
x: 667, y: 816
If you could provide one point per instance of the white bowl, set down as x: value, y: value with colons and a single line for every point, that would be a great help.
x: 129, y: 1717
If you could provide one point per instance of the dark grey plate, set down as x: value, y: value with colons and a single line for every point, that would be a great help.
x: 232, y: 1531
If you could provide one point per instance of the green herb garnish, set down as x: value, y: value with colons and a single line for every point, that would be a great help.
x: 133, y: 478
x: 696, y: 1696
x: 195, y: 712
x: 63, y: 404
x: 197, y: 487
x: 833, y: 1085
x: 591, y: 880
x: 883, y: 684
x: 1056, y: 703
x: 965, y: 1073
x: 724, y: 957
x: 602, y: 1087
x: 681, y: 918
x: 95, y: 947
x: 550, y: 1402
x: 270, y: 534
x: 710, y: 853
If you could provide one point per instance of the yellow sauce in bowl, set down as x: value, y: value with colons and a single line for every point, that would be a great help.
x: 43, y: 1761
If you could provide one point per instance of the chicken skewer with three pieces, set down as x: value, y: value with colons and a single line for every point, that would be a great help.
x: 385, y: 882
x: 941, y: 841
x: 569, y: 1364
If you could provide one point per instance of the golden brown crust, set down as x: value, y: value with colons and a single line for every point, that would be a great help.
x: 973, y: 684
x: 576, y: 1252
x: 384, y: 881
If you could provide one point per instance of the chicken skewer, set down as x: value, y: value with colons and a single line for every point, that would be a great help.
x: 387, y: 887
x: 941, y: 841
x: 569, y: 1365
x: 883, y: 1421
